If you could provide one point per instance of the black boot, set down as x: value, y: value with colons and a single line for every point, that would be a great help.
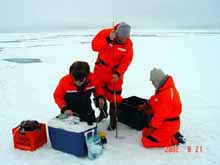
x: 103, y: 112
x: 113, y: 118
x: 180, y: 138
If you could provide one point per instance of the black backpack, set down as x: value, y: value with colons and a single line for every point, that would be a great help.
x: 28, y: 125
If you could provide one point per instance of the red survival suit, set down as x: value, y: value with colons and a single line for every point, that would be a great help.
x: 68, y: 96
x: 166, y: 106
x: 112, y: 58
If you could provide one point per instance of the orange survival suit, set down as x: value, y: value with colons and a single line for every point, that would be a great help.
x: 166, y: 107
x: 112, y: 58
x: 68, y: 96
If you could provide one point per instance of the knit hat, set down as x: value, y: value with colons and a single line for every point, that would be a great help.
x: 156, y: 76
x: 123, y: 30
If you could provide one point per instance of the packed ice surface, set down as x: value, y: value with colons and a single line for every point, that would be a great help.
x: 191, y: 57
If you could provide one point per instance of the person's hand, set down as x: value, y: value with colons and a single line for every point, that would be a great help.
x: 68, y: 112
x: 144, y: 106
x: 112, y: 35
x: 101, y: 103
x: 141, y: 107
x: 115, y: 77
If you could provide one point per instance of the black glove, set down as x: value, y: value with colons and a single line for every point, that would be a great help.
x: 108, y: 40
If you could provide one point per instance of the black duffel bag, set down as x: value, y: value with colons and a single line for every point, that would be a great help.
x: 29, y: 125
x: 129, y: 114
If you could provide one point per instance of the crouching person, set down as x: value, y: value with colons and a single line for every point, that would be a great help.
x: 163, y: 128
x: 74, y: 90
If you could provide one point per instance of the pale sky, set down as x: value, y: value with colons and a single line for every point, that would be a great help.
x: 33, y: 15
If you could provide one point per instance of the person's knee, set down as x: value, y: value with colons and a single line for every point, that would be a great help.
x: 147, y: 143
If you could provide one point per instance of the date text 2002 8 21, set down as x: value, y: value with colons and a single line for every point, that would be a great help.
x: 189, y: 149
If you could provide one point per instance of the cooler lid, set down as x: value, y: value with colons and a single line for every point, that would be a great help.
x: 68, y: 125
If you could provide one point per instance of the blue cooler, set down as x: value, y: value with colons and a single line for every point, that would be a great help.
x: 68, y: 137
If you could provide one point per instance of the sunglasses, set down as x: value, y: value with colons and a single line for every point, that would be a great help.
x: 79, y: 76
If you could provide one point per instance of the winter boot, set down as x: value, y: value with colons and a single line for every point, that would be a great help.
x: 103, y: 112
x: 113, y: 118
x: 180, y: 138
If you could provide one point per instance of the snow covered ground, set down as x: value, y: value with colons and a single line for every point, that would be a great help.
x: 191, y: 57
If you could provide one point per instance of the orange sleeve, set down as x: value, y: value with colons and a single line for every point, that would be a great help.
x: 125, y: 62
x: 99, y: 41
x: 59, y: 94
x: 161, y: 110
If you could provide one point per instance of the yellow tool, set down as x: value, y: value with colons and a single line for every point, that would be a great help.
x: 102, y: 136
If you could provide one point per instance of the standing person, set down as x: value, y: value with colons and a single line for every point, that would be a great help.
x: 115, y: 53
x: 72, y: 94
x: 166, y: 106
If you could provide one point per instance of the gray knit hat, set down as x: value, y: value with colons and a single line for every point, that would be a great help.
x: 123, y: 30
x: 156, y: 76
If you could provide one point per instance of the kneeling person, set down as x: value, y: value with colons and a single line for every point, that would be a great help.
x: 163, y: 129
x: 74, y: 90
